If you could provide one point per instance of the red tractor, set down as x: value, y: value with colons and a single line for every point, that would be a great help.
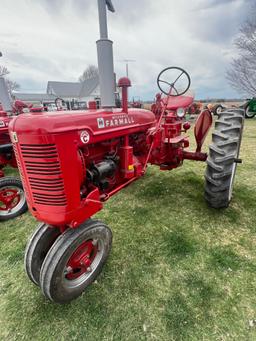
x: 136, y: 103
x: 12, y: 196
x: 71, y: 163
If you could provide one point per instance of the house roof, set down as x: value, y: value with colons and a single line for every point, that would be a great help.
x: 73, y: 89
x: 34, y: 97
x: 89, y: 86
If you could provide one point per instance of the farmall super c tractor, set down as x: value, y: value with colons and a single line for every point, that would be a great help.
x: 70, y: 164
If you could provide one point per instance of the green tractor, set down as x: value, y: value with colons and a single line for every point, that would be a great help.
x: 250, y: 108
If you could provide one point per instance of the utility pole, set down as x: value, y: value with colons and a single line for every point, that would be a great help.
x: 127, y: 61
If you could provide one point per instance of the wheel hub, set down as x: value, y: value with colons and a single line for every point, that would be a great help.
x: 81, y: 260
x: 9, y: 198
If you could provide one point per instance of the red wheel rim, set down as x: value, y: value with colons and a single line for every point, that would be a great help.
x: 9, y: 198
x: 81, y: 260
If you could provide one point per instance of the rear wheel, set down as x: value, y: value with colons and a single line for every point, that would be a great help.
x: 74, y: 261
x: 222, y: 158
x: 37, y: 248
x: 12, y: 198
x: 248, y: 112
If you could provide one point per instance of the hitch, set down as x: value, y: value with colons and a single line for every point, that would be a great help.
x: 236, y: 160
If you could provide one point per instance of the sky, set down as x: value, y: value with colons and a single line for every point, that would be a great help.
x: 46, y: 40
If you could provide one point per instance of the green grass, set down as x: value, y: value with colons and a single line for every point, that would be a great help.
x: 178, y: 270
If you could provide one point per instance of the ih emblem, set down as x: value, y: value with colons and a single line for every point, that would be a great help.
x: 101, y: 123
x: 85, y: 136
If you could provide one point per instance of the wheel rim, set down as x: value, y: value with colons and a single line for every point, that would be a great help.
x: 12, y: 199
x: 83, y: 263
x: 219, y: 110
x: 232, y: 181
x: 249, y: 113
x: 234, y: 166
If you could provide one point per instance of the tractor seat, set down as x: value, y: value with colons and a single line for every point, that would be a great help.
x: 183, y: 101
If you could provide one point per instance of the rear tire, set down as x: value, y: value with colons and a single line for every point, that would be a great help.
x: 37, y: 248
x: 12, y: 198
x: 221, y: 168
x: 74, y: 261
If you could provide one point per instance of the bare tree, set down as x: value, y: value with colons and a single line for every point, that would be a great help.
x: 90, y: 72
x: 242, y: 74
x: 3, y: 71
x: 11, y: 85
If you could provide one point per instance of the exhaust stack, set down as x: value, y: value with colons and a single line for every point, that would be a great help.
x: 105, y: 57
x: 5, y: 98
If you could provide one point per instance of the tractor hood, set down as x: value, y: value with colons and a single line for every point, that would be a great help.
x: 96, y: 122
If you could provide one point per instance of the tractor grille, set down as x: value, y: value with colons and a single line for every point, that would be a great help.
x: 44, y: 174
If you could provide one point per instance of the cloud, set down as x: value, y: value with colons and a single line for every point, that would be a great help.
x: 55, y: 40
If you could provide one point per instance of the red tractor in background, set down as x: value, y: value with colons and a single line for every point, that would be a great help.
x: 70, y: 164
x: 12, y: 196
x: 136, y: 103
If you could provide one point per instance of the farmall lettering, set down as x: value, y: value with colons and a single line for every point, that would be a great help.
x: 115, y: 121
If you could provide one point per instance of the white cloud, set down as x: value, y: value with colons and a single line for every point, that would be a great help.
x: 55, y: 40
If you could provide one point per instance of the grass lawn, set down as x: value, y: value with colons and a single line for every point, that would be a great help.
x: 178, y: 270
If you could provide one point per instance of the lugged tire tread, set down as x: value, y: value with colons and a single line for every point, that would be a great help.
x: 223, y: 150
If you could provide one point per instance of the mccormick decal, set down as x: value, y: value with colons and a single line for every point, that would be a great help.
x: 114, y: 121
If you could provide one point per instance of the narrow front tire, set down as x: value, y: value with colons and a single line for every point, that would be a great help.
x: 74, y: 261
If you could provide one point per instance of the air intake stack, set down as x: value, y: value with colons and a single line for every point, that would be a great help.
x: 105, y: 57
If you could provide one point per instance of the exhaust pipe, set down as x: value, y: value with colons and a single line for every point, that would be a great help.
x: 105, y: 57
x: 5, y: 98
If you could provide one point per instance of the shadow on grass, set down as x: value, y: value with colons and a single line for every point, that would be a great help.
x: 178, y: 244
x: 176, y: 192
x: 188, y: 309
x: 224, y: 258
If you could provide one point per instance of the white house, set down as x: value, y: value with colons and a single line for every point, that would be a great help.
x: 75, y: 92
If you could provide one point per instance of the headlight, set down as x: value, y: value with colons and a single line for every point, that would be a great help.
x: 180, y: 112
x: 2, y: 124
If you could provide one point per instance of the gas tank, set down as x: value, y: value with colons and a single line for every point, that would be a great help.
x: 94, y: 125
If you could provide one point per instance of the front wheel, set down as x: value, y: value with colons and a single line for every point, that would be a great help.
x: 223, y: 157
x: 74, y: 261
x: 12, y: 198
x: 37, y: 248
x: 217, y: 109
x: 248, y: 112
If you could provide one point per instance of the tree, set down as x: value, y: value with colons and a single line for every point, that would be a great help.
x: 11, y: 85
x: 3, y: 71
x: 242, y: 74
x: 90, y: 72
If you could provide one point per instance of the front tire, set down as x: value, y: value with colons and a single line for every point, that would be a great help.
x: 74, y: 261
x: 217, y: 109
x: 223, y: 152
x: 12, y: 198
x: 37, y: 248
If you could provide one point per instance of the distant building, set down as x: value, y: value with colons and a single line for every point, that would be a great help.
x: 75, y: 95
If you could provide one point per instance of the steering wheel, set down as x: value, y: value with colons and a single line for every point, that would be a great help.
x: 182, y: 78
